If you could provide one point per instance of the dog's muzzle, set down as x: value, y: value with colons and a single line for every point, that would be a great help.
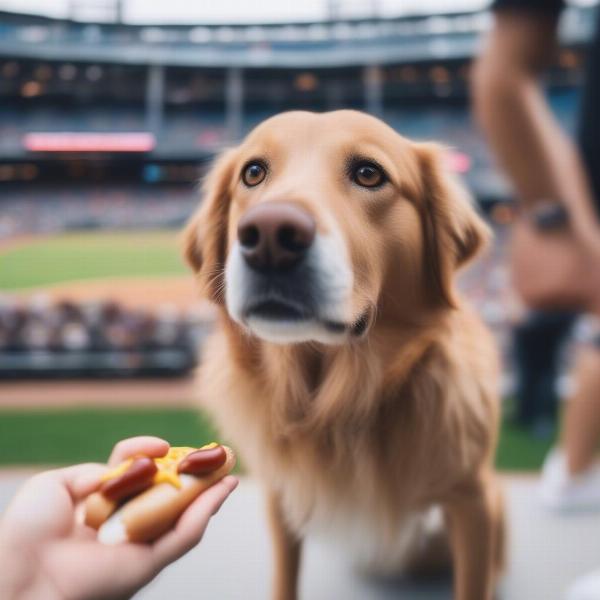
x: 287, y: 283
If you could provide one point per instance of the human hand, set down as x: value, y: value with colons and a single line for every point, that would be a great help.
x: 551, y: 270
x: 45, y: 552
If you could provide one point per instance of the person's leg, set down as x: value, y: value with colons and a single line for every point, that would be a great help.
x: 526, y: 372
x: 537, y: 345
x: 581, y: 423
x: 570, y: 476
x: 581, y: 427
x: 558, y: 327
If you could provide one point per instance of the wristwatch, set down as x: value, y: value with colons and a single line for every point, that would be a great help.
x: 548, y: 215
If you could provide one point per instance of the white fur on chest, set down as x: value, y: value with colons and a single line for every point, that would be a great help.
x: 375, y: 543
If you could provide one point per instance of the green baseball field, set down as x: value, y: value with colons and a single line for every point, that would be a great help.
x: 89, y: 256
x: 140, y: 267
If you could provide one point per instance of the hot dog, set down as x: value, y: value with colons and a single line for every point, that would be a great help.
x: 143, y: 498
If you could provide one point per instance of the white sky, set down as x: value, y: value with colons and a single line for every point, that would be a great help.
x: 238, y: 11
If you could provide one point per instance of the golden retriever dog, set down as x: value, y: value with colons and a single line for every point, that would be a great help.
x: 351, y: 377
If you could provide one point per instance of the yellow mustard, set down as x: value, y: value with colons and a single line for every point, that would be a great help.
x: 167, y: 465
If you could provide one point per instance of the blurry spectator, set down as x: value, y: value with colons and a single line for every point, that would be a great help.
x: 556, y: 246
x: 168, y: 330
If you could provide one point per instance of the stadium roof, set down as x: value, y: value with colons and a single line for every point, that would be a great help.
x: 228, y: 11
x: 239, y: 12
x: 235, y: 11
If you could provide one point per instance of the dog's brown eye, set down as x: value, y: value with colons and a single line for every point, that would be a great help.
x: 253, y: 174
x: 368, y: 175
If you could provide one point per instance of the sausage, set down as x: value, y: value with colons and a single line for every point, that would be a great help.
x: 153, y: 512
x: 137, y: 476
x: 203, y: 461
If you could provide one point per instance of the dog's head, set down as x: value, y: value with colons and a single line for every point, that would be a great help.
x: 318, y: 221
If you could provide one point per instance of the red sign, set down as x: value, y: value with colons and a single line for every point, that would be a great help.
x: 89, y: 142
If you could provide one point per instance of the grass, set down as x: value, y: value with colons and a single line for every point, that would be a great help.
x: 66, y: 436
x: 85, y: 256
x: 519, y: 450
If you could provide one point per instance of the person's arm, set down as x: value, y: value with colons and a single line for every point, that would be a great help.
x: 510, y: 106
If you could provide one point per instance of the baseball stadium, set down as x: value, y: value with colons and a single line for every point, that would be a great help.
x: 111, y: 114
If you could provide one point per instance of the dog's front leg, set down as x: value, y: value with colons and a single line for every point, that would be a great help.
x: 286, y: 551
x: 472, y: 519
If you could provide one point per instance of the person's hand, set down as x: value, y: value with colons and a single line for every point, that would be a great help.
x: 45, y: 552
x: 551, y: 270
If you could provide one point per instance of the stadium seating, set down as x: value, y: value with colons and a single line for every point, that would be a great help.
x: 58, y: 208
x: 100, y: 339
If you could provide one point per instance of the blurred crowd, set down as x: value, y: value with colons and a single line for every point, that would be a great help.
x: 95, y: 337
x: 62, y: 208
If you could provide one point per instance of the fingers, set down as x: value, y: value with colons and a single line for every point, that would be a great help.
x: 192, y: 524
x: 143, y: 444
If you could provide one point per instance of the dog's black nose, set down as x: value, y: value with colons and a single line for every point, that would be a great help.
x: 275, y: 236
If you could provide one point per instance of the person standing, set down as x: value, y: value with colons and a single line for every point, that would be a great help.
x: 555, y: 248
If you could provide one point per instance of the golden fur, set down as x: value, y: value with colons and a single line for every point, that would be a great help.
x: 377, y: 430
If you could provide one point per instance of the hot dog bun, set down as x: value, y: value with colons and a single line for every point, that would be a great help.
x: 155, y: 511
x: 151, y: 513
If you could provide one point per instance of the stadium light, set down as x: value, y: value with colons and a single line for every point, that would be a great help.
x: 67, y: 72
x: 93, y: 73
x: 31, y: 89
x: 43, y: 72
x: 306, y: 82
x: 10, y: 69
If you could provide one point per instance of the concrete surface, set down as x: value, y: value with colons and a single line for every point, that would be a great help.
x: 546, y: 553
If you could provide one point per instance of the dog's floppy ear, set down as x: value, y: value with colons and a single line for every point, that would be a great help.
x: 453, y: 231
x: 205, y: 235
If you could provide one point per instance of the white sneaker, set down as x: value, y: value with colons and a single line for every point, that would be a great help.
x: 563, y: 492
x: 585, y: 588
